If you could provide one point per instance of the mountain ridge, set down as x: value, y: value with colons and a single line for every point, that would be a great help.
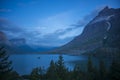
x: 99, y: 32
x: 20, y: 45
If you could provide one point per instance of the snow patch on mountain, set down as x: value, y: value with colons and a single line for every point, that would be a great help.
x: 105, y: 37
x: 109, y: 25
x: 104, y: 18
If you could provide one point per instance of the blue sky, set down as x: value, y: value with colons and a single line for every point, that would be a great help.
x: 48, y: 22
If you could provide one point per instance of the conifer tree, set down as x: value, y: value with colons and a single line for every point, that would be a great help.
x: 115, y: 70
x: 102, y: 70
x: 5, y: 64
x: 77, y: 73
x: 89, y: 65
x: 90, y: 70
x: 61, y: 69
x: 37, y: 74
x: 51, y: 72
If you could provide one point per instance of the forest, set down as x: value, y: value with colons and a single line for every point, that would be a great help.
x: 58, y: 71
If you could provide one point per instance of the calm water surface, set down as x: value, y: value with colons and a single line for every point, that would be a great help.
x: 24, y: 63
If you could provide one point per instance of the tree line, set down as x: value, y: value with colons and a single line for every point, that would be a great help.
x: 58, y: 71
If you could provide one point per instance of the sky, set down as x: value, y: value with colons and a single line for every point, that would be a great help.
x: 48, y: 22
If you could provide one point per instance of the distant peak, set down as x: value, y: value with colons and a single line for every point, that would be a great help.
x: 106, y: 7
x: 1, y: 32
x: 107, y: 11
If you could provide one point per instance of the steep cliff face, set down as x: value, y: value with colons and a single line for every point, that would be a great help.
x: 102, y: 31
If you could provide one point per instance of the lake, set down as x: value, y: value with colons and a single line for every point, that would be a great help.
x: 24, y: 63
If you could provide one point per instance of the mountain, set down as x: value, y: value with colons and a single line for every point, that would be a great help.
x: 2, y: 36
x: 19, y: 45
x: 40, y: 48
x: 3, y: 39
x: 100, y: 34
x: 18, y: 42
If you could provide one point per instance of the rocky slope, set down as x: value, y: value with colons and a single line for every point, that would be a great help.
x: 103, y: 32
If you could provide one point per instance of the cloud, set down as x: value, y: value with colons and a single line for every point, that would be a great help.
x: 9, y: 28
x: 86, y: 19
x: 71, y: 33
x: 77, y: 28
x: 6, y: 25
x: 49, y: 39
x: 58, y: 29
x: 5, y: 10
x: 51, y: 24
x: 53, y: 30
